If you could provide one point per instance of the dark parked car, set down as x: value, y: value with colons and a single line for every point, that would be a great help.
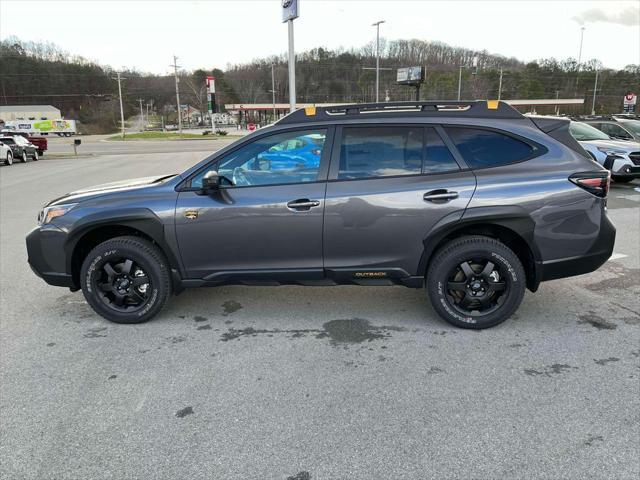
x: 470, y: 199
x: 40, y: 143
x: 22, y: 149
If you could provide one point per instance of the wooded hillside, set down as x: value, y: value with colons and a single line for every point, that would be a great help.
x: 37, y: 73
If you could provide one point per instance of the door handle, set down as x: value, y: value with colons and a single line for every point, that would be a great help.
x: 303, y: 204
x: 440, y: 196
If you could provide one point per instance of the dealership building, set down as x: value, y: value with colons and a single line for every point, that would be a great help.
x: 29, y: 112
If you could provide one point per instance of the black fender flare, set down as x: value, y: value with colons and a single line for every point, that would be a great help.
x: 141, y: 219
x: 510, y: 217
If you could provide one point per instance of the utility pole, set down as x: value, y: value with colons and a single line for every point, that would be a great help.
x: 119, y: 78
x: 557, y: 106
x: 500, y: 86
x: 580, y: 52
x: 459, y: 82
x: 377, y: 25
x: 595, y: 90
x: 141, y: 113
x: 175, y: 72
x: 273, y: 92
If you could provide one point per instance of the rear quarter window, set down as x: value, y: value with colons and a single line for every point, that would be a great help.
x: 486, y: 148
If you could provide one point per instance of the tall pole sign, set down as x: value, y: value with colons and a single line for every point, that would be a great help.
x: 211, y: 99
x: 629, y: 102
x: 289, y: 14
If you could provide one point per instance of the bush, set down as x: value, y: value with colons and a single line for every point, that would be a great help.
x: 221, y: 132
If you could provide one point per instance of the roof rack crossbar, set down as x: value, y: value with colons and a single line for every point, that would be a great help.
x: 475, y: 108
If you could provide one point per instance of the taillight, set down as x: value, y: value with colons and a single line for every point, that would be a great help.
x: 596, y: 183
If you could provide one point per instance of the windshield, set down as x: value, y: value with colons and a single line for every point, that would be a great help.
x: 582, y: 132
x: 633, y: 125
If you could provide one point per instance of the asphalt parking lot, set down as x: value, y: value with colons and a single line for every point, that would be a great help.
x: 310, y: 383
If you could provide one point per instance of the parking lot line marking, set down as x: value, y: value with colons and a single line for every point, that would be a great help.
x: 617, y: 256
x: 635, y: 198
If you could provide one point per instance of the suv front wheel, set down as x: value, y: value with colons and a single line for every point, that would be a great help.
x: 126, y: 279
x: 475, y: 282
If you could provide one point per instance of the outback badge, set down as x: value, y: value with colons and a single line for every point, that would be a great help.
x: 191, y: 214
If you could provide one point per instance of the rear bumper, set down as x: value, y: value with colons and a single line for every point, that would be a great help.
x: 597, y: 255
x: 46, y: 255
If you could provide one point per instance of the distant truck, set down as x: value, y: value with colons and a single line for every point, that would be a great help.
x: 60, y: 127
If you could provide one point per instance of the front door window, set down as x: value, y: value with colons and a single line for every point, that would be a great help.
x: 285, y: 158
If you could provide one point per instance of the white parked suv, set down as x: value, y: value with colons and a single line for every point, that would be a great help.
x: 6, y: 155
x: 621, y: 158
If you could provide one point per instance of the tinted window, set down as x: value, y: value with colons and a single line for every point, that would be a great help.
x: 292, y: 157
x: 614, y: 130
x: 584, y: 132
x: 486, y: 148
x: 8, y: 141
x: 438, y: 157
x: 381, y: 151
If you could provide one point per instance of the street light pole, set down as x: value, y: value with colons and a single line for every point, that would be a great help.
x: 595, y: 90
x: 459, y: 82
x: 582, y: 29
x: 175, y: 72
x: 500, y: 86
x: 273, y: 92
x: 292, y: 69
x: 377, y: 25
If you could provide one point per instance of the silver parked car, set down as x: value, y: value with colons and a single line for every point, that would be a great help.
x: 618, y: 128
x: 621, y: 158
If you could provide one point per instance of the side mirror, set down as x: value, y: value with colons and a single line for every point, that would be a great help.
x: 210, y: 181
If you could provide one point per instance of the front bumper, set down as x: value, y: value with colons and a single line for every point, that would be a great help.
x: 46, y: 255
x: 628, y: 171
x: 597, y: 255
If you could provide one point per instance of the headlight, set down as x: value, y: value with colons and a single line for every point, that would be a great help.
x: 49, y: 213
x: 611, y: 151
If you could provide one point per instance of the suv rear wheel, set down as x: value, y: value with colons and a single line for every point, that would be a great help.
x: 125, y: 280
x: 475, y: 282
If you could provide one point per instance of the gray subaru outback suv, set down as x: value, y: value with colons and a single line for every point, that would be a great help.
x: 471, y: 200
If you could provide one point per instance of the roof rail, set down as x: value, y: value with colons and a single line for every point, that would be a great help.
x: 474, y: 109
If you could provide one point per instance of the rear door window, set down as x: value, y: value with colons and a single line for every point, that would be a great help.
x: 482, y: 148
x: 381, y: 151
x: 438, y: 157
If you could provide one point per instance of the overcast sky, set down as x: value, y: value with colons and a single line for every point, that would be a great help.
x: 144, y: 34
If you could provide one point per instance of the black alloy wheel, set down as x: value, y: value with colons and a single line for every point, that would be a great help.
x: 123, y: 284
x: 476, y: 287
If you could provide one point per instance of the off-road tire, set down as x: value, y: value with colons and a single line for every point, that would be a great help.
x: 460, y: 250
x: 149, y: 257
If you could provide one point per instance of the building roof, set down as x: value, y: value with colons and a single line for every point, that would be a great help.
x: 28, y: 108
